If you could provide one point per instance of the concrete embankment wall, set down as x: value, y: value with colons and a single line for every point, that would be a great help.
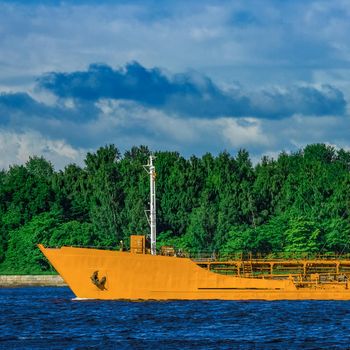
x: 31, y: 280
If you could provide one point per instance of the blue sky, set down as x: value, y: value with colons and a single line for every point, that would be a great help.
x: 189, y: 76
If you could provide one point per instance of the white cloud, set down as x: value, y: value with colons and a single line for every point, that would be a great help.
x: 248, y: 135
x: 298, y: 131
x: 256, y: 43
x: 17, y: 147
x: 128, y: 124
x: 272, y: 42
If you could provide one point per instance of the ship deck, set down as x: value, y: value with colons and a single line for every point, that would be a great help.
x: 303, y: 271
x: 111, y: 274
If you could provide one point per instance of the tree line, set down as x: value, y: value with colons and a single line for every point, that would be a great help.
x: 299, y: 202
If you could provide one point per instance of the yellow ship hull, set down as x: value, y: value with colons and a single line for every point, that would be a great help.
x: 146, y: 277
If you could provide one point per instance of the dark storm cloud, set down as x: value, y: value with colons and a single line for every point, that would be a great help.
x: 190, y: 95
x: 10, y: 102
x: 306, y: 100
x: 101, y: 81
x: 22, y: 105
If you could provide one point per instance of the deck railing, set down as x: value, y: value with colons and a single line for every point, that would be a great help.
x: 245, y: 256
x: 276, y: 256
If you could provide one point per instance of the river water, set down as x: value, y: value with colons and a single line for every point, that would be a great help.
x: 50, y: 318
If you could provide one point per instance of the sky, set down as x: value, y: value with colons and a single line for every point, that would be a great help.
x: 187, y: 76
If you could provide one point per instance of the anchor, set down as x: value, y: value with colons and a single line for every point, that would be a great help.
x: 99, y: 283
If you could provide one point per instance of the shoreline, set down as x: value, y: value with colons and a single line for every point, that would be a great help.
x: 7, y: 281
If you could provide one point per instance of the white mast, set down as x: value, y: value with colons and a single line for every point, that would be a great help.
x: 152, y: 210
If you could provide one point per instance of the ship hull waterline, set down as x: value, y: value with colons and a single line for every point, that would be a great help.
x: 147, y: 277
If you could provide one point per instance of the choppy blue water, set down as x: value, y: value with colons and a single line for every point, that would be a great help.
x: 49, y: 318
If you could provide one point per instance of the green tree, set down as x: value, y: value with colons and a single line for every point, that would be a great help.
x: 174, y: 193
x: 105, y: 194
x: 302, y: 235
x: 23, y: 255
x: 3, y: 232
x: 337, y: 235
x: 72, y: 233
x: 135, y: 185
x: 200, y: 233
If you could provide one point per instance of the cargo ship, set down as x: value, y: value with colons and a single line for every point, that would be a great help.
x: 143, y: 273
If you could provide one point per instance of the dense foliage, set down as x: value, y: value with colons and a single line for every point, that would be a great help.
x: 297, y: 203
